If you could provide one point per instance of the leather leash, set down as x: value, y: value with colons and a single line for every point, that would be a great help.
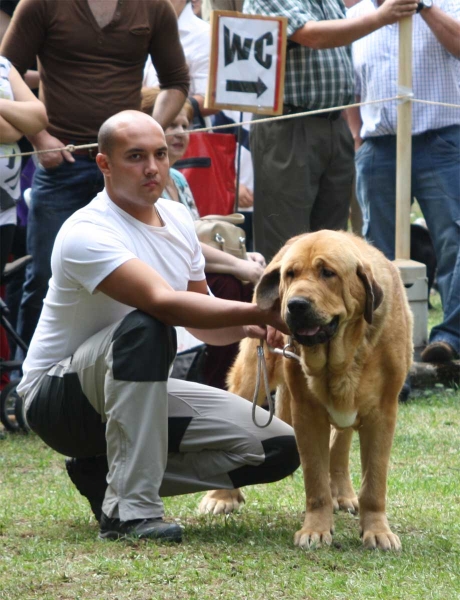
x: 262, y: 371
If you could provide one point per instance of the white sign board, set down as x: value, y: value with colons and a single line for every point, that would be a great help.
x: 248, y: 54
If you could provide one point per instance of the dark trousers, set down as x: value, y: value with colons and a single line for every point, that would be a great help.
x: 303, y: 175
x: 162, y: 437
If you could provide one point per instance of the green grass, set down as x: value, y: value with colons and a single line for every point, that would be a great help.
x: 49, y: 547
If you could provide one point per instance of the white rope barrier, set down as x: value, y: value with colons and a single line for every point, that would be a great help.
x: 436, y: 103
x: 400, y: 98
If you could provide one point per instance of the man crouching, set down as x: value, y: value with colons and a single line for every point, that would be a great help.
x: 125, y: 270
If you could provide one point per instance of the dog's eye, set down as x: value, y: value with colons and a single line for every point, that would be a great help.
x: 290, y: 273
x: 327, y: 273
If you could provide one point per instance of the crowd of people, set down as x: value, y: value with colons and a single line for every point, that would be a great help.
x: 116, y: 264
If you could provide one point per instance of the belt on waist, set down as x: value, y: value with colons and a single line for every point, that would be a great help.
x: 89, y: 152
x: 290, y: 109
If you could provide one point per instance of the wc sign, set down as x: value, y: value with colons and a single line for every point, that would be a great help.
x: 248, y: 54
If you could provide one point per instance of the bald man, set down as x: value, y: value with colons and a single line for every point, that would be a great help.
x: 125, y: 270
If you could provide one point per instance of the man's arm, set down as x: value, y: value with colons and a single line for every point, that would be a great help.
x: 136, y: 284
x: 25, y: 34
x: 342, y: 32
x: 32, y: 78
x: 168, y: 105
x: 4, y: 22
x: 353, y: 117
x: 445, y: 28
x: 224, y: 335
x: 45, y: 141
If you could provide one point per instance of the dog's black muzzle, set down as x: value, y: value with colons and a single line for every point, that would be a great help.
x: 307, y: 327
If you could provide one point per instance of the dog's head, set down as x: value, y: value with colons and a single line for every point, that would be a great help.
x: 322, y: 280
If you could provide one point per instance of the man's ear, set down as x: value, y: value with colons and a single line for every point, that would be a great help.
x: 374, y: 293
x: 103, y: 163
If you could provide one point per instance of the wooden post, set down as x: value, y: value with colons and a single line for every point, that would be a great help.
x: 404, y: 142
x: 413, y: 274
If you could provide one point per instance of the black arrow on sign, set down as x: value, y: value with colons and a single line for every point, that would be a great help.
x: 248, y: 87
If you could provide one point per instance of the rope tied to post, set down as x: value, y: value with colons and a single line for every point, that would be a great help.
x: 404, y: 95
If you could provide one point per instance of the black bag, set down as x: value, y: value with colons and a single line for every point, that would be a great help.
x: 188, y: 365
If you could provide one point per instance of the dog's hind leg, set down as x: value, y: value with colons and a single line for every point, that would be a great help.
x: 343, y: 494
x: 241, y: 380
x: 221, y: 502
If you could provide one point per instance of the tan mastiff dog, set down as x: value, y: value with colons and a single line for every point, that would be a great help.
x: 351, y: 326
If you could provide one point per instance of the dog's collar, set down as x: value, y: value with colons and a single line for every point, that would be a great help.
x: 286, y: 352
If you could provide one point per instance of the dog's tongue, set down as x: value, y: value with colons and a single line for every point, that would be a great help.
x: 306, y: 331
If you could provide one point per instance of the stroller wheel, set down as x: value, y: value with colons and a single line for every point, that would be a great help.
x: 11, y: 414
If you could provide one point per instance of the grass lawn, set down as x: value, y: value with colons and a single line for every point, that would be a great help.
x: 49, y: 546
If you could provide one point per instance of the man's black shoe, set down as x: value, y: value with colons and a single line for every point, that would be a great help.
x: 153, y: 529
x: 439, y: 352
x: 89, y: 477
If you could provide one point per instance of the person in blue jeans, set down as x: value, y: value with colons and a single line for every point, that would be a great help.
x: 435, y: 176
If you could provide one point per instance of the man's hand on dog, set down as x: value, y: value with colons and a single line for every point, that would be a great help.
x: 273, y: 336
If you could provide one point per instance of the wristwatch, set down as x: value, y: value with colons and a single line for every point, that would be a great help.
x: 424, y: 4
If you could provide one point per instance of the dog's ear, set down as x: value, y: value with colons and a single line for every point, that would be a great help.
x: 267, y: 291
x: 374, y: 293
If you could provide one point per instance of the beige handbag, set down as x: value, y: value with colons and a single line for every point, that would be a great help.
x: 222, y: 232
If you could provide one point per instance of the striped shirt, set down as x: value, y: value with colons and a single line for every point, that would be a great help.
x: 436, y: 74
x: 314, y: 78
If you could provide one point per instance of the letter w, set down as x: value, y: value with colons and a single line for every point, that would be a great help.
x: 234, y: 47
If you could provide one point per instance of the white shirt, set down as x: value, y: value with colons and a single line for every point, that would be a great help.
x: 10, y: 168
x: 246, y: 167
x: 90, y: 245
x: 194, y: 35
x: 436, y: 74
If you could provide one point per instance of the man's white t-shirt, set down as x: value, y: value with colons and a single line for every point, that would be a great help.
x: 91, y: 244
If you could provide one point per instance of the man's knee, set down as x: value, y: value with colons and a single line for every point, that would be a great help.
x: 282, y: 454
x: 143, y: 348
x: 281, y: 460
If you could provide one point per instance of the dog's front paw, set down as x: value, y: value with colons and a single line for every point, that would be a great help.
x: 317, y: 530
x: 220, y: 502
x: 382, y: 540
x: 306, y: 538
x: 376, y: 532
